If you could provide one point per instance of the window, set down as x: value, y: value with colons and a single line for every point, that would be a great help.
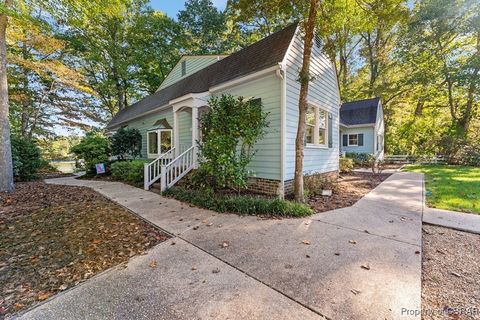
x: 353, y: 140
x: 316, y: 130
x: 161, y: 139
x: 184, y: 67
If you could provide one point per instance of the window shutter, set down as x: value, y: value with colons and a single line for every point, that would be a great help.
x: 360, y: 140
x: 345, y: 140
x: 330, y: 131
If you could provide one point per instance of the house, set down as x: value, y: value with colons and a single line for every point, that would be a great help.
x: 362, y: 127
x: 266, y: 70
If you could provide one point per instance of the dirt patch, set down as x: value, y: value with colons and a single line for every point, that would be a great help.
x: 350, y: 188
x: 53, y: 237
x: 450, y: 274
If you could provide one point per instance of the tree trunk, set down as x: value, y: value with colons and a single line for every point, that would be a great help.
x: 302, y: 101
x: 6, y: 167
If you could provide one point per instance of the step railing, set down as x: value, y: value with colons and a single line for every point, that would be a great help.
x: 152, y: 170
x: 176, y: 169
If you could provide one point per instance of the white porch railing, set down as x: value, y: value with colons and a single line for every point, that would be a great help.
x: 152, y: 170
x: 176, y: 169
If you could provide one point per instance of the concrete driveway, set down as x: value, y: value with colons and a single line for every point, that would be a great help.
x: 363, y: 262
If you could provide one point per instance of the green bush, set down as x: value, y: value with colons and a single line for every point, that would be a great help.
x: 126, y: 143
x: 230, y: 131
x: 26, y: 159
x: 346, y: 164
x: 93, y: 148
x: 240, y: 204
x: 361, y: 159
x: 129, y: 171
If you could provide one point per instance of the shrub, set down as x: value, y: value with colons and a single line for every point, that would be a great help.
x: 240, y: 204
x: 126, y: 143
x: 346, y: 164
x: 230, y: 130
x: 93, y: 148
x: 315, y: 183
x: 26, y: 159
x: 361, y: 159
x: 129, y: 171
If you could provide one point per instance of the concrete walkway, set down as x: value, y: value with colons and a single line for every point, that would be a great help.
x: 452, y: 219
x: 363, y: 262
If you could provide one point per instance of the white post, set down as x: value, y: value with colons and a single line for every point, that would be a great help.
x: 145, y: 177
x: 176, y: 140
x: 195, y: 135
x: 163, y: 178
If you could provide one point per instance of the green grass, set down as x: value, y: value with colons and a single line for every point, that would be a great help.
x: 448, y: 187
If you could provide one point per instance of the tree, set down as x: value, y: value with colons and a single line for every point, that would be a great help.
x: 126, y: 143
x: 6, y: 167
x: 304, y: 78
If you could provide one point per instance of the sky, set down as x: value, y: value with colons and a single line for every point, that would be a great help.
x: 171, y: 7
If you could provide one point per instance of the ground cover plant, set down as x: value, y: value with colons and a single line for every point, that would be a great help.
x: 54, y: 237
x: 451, y: 187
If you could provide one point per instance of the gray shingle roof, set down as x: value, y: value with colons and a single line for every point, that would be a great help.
x: 359, y: 112
x: 256, y: 57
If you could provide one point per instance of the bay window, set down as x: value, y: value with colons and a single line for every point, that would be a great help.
x: 159, y: 141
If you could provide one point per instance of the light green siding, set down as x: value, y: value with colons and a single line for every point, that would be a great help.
x: 267, y: 160
x: 144, y: 123
x: 193, y: 64
x: 185, y: 128
x: 322, y: 91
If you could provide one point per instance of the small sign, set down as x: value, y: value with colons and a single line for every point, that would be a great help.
x: 100, y: 168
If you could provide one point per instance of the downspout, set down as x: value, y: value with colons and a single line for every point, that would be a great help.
x: 281, y: 74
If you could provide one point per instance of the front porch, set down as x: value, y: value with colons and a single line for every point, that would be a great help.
x: 173, y: 150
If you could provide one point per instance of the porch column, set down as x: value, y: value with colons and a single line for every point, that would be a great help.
x: 195, y: 136
x: 176, y: 141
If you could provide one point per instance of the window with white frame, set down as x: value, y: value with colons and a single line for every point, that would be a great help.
x: 353, y: 140
x: 159, y: 141
x: 316, y: 131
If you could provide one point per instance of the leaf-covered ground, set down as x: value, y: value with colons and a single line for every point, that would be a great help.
x: 350, y: 188
x: 450, y: 277
x: 54, y: 237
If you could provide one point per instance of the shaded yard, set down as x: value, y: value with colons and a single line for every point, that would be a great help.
x: 350, y: 188
x: 54, y: 237
x: 454, y: 188
x: 450, y: 272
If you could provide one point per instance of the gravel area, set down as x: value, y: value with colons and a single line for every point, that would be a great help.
x: 54, y: 237
x: 450, y: 274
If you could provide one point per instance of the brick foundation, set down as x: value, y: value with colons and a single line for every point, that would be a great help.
x: 332, y: 175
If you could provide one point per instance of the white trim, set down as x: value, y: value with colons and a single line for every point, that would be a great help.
x: 159, y: 145
x: 348, y: 139
x: 358, y: 125
x: 282, y: 74
x: 240, y: 80
x: 317, y: 108
x: 188, y: 96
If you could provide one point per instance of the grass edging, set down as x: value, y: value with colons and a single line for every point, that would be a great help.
x: 240, y: 204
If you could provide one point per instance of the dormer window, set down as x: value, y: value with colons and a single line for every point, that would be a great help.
x: 184, y: 67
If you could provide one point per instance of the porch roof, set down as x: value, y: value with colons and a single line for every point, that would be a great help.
x: 261, y: 55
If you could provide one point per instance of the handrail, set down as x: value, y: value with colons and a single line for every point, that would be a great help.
x: 152, y: 170
x: 176, y: 169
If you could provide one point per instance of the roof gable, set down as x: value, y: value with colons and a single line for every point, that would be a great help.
x: 259, y: 56
x: 359, y: 112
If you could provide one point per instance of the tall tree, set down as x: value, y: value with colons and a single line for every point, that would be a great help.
x: 304, y: 77
x: 6, y: 167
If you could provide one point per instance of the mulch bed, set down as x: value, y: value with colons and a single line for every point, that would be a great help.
x: 350, y: 188
x: 450, y: 274
x: 54, y: 237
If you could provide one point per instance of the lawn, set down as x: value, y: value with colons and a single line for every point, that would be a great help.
x: 451, y: 187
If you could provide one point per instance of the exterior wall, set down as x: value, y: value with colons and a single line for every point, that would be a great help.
x: 368, y: 139
x: 264, y: 186
x: 322, y: 91
x: 194, y: 64
x: 185, y: 128
x: 146, y: 122
x: 267, y: 160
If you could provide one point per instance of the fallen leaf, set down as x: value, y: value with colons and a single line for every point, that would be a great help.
x: 366, y: 231
x: 352, y: 241
x: 306, y: 242
x: 355, y: 291
x: 173, y: 243
x: 455, y: 274
x: 63, y: 287
x: 153, y: 264
x: 216, y: 270
x: 366, y: 266
x: 194, y: 268
x: 43, y: 296
x: 417, y: 252
x: 307, y: 256
x: 307, y: 223
x: 17, y: 306
x: 225, y: 244
x: 337, y: 253
x: 210, y: 224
